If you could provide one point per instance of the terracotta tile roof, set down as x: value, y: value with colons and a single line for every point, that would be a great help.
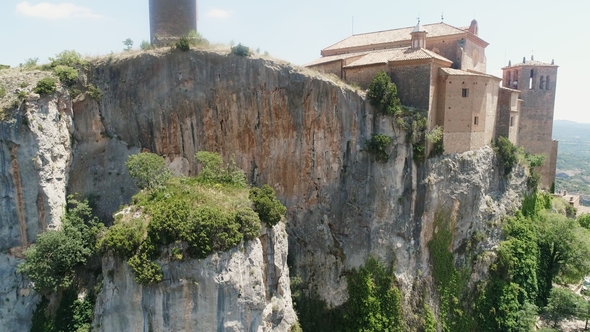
x: 331, y: 58
x: 396, y: 54
x: 390, y: 36
x: 459, y: 72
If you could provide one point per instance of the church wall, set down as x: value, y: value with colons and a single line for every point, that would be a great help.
x: 473, y: 57
x: 363, y: 75
x: 334, y: 67
x: 507, y: 117
x: 449, y: 48
x: 413, y: 84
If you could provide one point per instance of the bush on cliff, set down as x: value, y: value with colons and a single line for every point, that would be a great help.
x: 382, y: 94
x: 45, y: 86
x: 267, y: 205
x: 378, y: 145
x: 148, y: 170
x: 240, y: 50
x: 51, y: 262
x: 197, y: 216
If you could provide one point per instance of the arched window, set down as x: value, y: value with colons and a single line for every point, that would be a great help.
x: 542, y: 83
x: 547, y: 87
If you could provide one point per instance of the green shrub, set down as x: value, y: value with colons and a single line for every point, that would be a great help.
x: 266, y: 204
x: 145, y: 271
x: 2, y: 91
x: 123, y: 238
x: 183, y: 44
x: 67, y: 75
x: 378, y: 145
x: 148, y: 170
x: 382, y: 94
x: 93, y: 92
x: 4, y: 67
x: 215, y: 171
x: 507, y: 152
x: 584, y: 220
x: 145, y: 45
x: 51, y: 262
x: 196, y: 39
x: 240, y: 50
x: 535, y: 160
x: 45, y: 86
x: 128, y: 44
x: 249, y: 222
x: 435, y: 137
x: 30, y: 63
x: 68, y: 58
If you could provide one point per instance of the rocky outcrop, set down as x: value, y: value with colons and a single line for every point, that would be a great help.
x: 231, y: 291
x: 299, y: 132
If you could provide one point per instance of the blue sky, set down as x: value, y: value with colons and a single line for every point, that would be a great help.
x: 297, y: 31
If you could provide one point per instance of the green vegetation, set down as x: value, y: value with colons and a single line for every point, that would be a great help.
x: 196, y: 39
x: 267, y: 206
x: 2, y: 91
x: 507, y: 152
x: 240, y: 50
x: 214, y: 171
x: 374, y: 303
x: 69, y: 58
x: 45, y: 86
x: 183, y: 44
x: 128, y: 44
x: 29, y: 64
x: 145, y: 45
x: 435, y: 137
x: 563, y: 304
x: 148, y: 170
x: 73, y: 314
x: 378, y: 145
x: 67, y: 75
x: 4, y: 67
x: 51, y: 262
x: 197, y: 216
x: 93, y: 92
x: 382, y: 94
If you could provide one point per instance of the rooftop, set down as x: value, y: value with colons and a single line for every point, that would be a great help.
x: 459, y: 72
x: 531, y: 63
x: 395, y: 35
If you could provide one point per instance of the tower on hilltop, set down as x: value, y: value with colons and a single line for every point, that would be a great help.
x: 171, y: 19
x: 536, y: 82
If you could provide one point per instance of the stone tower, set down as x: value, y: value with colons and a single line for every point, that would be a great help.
x: 171, y: 19
x: 536, y: 82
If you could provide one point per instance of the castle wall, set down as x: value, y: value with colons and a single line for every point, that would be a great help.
x: 363, y: 75
x: 413, y: 84
x: 171, y: 19
x: 334, y: 67
x: 469, y: 119
x: 508, y: 115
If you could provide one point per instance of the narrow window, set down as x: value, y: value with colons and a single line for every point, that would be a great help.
x: 547, y: 83
x: 512, y: 121
x: 465, y: 93
x: 531, y: 79
x: 542, y: 83
x: 509, y: 79
x: 476, y: 121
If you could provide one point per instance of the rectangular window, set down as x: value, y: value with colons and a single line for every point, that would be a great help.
x: 511, y: 121
x: 476, y: 121
x: 465, y: 93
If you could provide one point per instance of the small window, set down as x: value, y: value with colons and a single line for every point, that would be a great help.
x: 465, y: 93
x: 512, y: 121
x: 542, y: 83
x: 476, y: 121
x: 547, y: 83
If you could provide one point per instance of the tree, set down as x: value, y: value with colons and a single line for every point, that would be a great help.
x: 584, y: 220
x: 215, y: 171
x: 240, y: 50
x: 148, y: 170
x: 128, y: 44
x: 382, y: 94
x: 563, y: 304
x: 51, y: 262
x: 267, y: 205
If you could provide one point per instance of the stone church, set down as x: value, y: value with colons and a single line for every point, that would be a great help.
x: 440, y: 70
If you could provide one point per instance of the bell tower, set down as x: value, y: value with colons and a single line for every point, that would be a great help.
x: 171, y: 19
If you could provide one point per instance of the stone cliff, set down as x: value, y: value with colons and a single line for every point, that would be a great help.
x: 292, y: 129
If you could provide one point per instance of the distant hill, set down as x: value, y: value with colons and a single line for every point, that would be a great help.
x: 573, y: 158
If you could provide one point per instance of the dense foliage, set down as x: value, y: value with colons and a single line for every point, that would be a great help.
x: 148, y: 170
x: 69, y: 58
x: 45, y: 86
x: 382, y: 94
x: 378, y: 145
x: 266, y: 204
x: 67, y: 75
x: 73, y: 314
x: 374, y: 304
x: 507, y: 152
x: 183, y: 44
x: 52, y: 261
x: 196, y: 216
x: 240, y: 50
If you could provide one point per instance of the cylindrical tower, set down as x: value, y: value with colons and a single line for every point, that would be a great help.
x: 171, y: 19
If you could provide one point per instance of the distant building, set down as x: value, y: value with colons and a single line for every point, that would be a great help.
x: 441, y: 70
x: 171, y: 19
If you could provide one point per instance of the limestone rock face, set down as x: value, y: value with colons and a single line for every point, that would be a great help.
x: 299, y: 132
x: 35, y: 155
x: 244, y: 289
